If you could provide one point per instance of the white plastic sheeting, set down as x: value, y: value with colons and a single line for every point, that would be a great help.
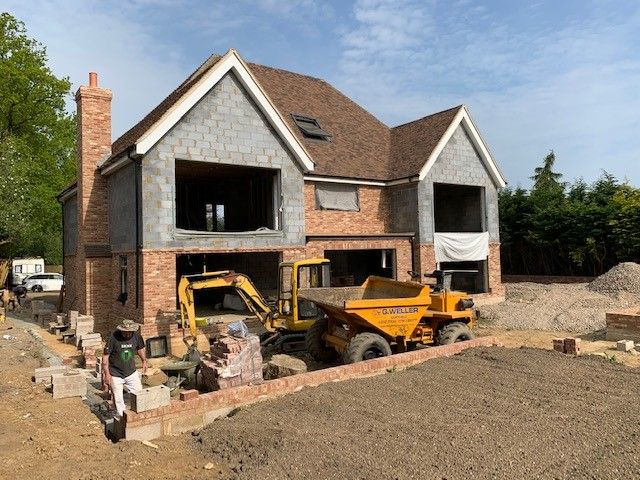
x: 337, y: 196
x: 461, y: 247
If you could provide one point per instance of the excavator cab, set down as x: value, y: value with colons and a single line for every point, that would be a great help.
x: 298, y: 314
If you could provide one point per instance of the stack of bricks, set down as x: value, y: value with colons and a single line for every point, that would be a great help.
x: 69, y: 384
x: 43, y: 375
x: 91, y: 340
x: 232, y: 362
x: 84, y: 326
x: 569, y: 345
x: 89, y: 357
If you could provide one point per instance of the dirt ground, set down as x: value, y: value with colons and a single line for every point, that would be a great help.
x: 61, y: 439
x: 491, y: 413
x: 487, y: 413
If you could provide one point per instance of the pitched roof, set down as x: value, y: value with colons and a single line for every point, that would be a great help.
x: 360, y: 146
x: 413, y: 142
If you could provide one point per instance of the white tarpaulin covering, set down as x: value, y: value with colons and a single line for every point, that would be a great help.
x: 461, y: 247
x: 337, y: 196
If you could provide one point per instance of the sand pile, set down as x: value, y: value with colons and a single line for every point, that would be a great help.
x: 624, y: 277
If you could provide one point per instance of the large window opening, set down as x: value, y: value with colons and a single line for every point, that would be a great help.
x: 458, y: 208
x: 352, y: 267
x: 211, y: 197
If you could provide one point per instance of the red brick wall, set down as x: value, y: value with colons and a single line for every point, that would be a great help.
x: 373, y: 216
x: 93, y: 276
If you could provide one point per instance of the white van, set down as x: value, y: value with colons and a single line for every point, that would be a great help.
x: 23, y: 267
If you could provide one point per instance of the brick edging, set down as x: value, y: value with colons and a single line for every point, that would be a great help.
x: 164, y: 419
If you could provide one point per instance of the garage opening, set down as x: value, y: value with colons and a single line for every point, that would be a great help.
x: 260, y: 267
x: 470, y: 277
x: 352, y: 267
x: 211, y: 197
x: 458, y: 208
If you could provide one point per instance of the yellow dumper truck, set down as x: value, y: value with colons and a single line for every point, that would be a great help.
x: 366, y: 322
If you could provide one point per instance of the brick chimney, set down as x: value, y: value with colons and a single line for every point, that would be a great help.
x: 93, y: 144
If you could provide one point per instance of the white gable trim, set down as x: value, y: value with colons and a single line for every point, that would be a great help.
x: 463, y: 118
x: 231, y: 61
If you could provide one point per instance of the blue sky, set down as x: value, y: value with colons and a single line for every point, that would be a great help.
x: 536, y: 76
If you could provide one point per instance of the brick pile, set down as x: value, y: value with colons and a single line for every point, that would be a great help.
x: 89, y: 357
x: 569, y: 345
x: 232, y: 362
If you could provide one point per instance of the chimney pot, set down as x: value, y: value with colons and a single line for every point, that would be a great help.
x: 93, y: 79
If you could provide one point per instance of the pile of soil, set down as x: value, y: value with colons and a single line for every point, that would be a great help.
x: 624, y: 277
x: 487, y: 413
x: 561, y: 307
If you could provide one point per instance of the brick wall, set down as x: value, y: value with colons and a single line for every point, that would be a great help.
x: 373, y: 217
x: 93, y: 275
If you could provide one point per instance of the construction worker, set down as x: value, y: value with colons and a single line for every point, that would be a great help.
x: 118, y: 362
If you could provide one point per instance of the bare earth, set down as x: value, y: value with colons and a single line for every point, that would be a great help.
x: 488, y: 413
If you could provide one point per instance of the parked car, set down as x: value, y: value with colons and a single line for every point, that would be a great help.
x: 43, y: 282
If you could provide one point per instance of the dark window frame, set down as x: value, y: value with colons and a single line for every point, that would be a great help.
x: 310, y: 128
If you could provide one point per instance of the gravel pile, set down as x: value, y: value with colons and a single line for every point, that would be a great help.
x: 624, y: 277
x: 561, y: 307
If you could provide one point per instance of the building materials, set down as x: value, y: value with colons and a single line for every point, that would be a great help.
x: 150, y: 398
x: 69, y: 384
x: 232, y: 362
x: 558, y: 345
x: 572, y: 346
x: 43, y: 375
x: 625, y: 345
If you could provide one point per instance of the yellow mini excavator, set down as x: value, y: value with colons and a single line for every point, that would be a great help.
x: 286, y: 320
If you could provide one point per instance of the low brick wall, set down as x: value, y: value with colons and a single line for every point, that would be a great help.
x: 184, y: 416
x: 545, y: 279
x: 624, y: 325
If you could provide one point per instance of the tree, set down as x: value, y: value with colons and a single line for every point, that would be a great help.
x: 544, y: 177
x: 37, y: 146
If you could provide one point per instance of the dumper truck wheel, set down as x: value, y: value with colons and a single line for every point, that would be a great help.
x: 366, y: 346
x: 316, y: 346
x: 454, y: 332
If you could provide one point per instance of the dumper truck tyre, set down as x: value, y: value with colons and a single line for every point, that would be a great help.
x: 454, y: 332
x: 316, y: 346
x: 366, y: 346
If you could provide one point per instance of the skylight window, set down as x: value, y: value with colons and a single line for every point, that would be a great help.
x: 310, y: 127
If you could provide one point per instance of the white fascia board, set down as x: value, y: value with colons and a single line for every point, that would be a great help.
x: 345, y: 180
x: 462, y: 117
x: 353, y: 181
x: 231, y: 61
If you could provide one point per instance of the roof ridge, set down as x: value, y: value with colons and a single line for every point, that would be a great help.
x: 428, y: 116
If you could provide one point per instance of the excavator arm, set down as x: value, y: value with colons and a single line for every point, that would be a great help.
x: 243, y: 286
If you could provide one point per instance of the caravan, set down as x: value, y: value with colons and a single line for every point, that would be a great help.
x: 21, y: 268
